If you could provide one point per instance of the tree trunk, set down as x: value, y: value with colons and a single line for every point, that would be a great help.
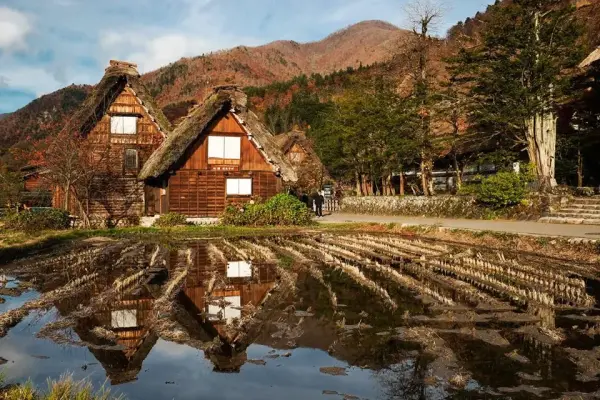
x: 390, y: 186
x: 67, y: 196
x: 402, y: 182
x: 426, y: 176
x: 579, y: 168
x: 541, y: 139
x: 457, y: 176
x: 358, y: 184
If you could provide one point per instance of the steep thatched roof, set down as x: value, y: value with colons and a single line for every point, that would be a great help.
x: 118, y: 75
x: 591, y: 59
x: 222, y: 100
x: 286, y: 141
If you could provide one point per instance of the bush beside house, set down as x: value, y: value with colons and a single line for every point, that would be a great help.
x: 280, y: 210
x: 38, y: 220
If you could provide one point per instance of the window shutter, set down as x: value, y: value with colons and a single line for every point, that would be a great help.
x: 216, y: 146
x: 241, y: 187
x: 232, y: 148
x: 116, y: 125
x: 245, y: 187
x: 239, y: 269
x: 123, y: 125
x: 123, y: 319
x: 129, y: 125
x: 233, y: 186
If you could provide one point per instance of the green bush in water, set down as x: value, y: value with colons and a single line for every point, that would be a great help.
x: 502, y: 190
x: 170, y: 220
x: 38, y: 220
x: 280, y: 210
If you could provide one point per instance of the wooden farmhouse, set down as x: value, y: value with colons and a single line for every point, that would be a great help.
x: 220, y: 154
x: 124, y: 127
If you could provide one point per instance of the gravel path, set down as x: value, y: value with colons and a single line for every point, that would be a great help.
x: 524, y: 227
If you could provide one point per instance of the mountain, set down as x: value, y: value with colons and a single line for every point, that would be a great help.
x: 185, y: 82
x: 364, y: 43
x: 42, y: 117
x: 4, y: 115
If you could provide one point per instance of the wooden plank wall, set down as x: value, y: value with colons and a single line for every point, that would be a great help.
x: 198, y: 188
x: 119, y: 196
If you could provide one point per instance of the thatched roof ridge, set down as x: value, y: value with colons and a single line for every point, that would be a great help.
x: 593, y: 57
x: 116, y: 77
x: 222, y: 100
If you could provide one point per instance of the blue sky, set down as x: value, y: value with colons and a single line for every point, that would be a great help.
x: 49, y: 44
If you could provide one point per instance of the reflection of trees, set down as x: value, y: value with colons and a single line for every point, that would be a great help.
x: 405, y: 380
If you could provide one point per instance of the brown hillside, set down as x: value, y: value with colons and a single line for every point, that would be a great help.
x: 42, y: 117
x: 181, y: 84
x: 189, y: 78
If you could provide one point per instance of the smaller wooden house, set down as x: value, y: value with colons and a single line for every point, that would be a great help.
x: 220, y: 154
x: 299, y: 151
x: 124, y: 126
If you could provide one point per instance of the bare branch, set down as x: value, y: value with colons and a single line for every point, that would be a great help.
x: 424, y: 16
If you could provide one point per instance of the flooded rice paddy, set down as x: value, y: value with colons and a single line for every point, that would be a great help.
x: 327, y: 316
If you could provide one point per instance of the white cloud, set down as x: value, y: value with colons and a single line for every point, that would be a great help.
x: 14, y: 28
x: 149, y: 53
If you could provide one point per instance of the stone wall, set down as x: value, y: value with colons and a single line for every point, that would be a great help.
x: 437, y: 206
x: 448, y: 207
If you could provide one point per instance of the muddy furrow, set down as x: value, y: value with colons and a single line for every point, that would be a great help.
x: 390, y: 251
x: 416, y: 247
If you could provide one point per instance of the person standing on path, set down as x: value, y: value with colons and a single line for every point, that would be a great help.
x: 319, y: 200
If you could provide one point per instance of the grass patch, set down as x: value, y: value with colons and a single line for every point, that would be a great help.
x: 63, y: 389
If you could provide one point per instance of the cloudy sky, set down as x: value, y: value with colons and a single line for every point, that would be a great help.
x: 49, y: 44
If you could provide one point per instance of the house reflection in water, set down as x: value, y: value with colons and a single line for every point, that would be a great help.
x: 118, y: 335
x: 215, y: 299
x: 218, y: 297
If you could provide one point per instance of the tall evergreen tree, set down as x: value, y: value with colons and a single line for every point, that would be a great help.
x: 517, y: 75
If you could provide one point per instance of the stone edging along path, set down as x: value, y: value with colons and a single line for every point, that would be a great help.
x: 590, y: 233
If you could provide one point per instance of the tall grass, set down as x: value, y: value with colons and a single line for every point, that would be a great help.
x: 65, y: 388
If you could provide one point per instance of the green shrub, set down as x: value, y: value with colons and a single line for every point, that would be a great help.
x: 502, y: 190
x: 585, y: 191
x: 280, y: 210
x: 38, y: 220
x: 170, y: 220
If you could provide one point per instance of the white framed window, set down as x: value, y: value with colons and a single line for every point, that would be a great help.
x: 231, y: 310
x: 123, y: 319
x: 123, y: 125
x: 239, y: 269
x: 227, y: 147
x: 239, y: 186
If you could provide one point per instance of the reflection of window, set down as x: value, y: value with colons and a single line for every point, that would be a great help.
x: 131, y: 159
x: 224, y: 147
x: 240, y: 187
x: 239, y: 269
x: 122, y: 125
x: 123, y: 319
x: 231, y: 310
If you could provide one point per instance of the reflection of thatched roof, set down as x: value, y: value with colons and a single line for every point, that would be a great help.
x: 117, y: 76
x: 591, y: 59
x: 221, y: 101
x: 121, y: 369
